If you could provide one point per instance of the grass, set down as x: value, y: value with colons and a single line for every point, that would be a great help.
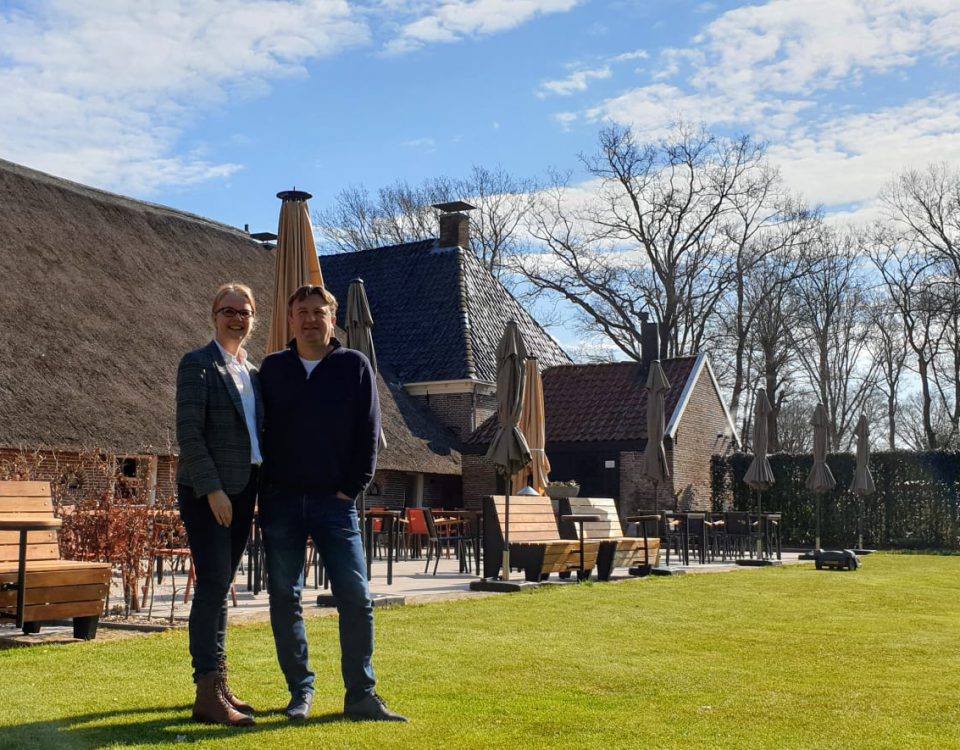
x: 775, y: 658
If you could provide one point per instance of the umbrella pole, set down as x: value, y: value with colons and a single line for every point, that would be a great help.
x: 760, y: 524
x: 817, y: 540
x: 656, y: 498
x: 859, y: 522
x: 505, y: 571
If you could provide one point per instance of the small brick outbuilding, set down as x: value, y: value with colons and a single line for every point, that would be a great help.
x: 596, y: 433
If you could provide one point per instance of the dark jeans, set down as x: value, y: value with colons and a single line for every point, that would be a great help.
x: 287, y: 520
x: 216, y: 554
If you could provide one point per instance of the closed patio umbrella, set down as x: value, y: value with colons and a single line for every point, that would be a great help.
x: 533, y: 427
x: 862, y: 484
x: 654, y: 464
x: 820, y: 479
x: 296, y: 262
x: 508, y: 450
x: 759, y: 474
x: 359, y: 326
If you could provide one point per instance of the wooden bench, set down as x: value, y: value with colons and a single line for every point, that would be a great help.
x: 535, y: 543
x: 616, y: 550
x: 36, y: 586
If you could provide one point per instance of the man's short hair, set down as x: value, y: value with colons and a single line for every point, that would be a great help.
x: 310, y: 290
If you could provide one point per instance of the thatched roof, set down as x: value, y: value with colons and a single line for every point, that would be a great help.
x: 102, y: 295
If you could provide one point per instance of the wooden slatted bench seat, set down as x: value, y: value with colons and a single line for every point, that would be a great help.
x: 616, y: 550
x: 53, y: 589
x: 535, y: 543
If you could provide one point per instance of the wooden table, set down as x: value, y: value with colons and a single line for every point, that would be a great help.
x: 25, y: 524
x: 476, y: 518
x: 391, y: 520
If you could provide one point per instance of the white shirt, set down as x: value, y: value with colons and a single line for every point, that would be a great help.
x: 241, y: 379
x: 310, y: 364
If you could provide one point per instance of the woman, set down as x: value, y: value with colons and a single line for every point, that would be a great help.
x: 219, y: 417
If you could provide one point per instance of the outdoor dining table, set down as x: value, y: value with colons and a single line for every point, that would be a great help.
x: 24, y: 524
x: 391, y: 523
x: 474, y: 519
x: 580, y: 519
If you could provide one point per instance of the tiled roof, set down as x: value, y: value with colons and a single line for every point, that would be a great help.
x: 438, y: 313
x: 599, y: 402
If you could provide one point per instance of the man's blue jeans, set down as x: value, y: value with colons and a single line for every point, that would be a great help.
x: 287, y: 520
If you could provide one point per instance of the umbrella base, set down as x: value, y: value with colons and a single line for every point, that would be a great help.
x: 379, y: 600
x: 660, y: 571
x: 495, y: 584
x: 759, y: 563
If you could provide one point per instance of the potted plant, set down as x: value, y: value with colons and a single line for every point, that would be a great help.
x: 570, y: 488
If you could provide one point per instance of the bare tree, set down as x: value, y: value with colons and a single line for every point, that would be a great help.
x: 909, y: 274
x: 833, y: 332
x: 769, y: 234
x: 649, y: 238
x: 398, y: 213
x: 923, y: 206
x: 888, y: 347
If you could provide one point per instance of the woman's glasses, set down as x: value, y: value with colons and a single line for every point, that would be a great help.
x: 229, y: 312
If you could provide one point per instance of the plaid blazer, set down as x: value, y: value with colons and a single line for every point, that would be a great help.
x: 211, y: 427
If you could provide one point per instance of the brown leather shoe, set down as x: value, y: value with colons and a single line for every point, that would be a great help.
x: 227, y: 693
x: 212, y: 708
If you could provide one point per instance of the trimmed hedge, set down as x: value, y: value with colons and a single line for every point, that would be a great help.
x: 916, y: 505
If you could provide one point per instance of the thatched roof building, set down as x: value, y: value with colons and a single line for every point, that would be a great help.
x: 102, y: 294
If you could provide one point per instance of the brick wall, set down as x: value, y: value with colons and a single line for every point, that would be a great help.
x: 479, y: 479
x: 461, y: 412
x: 636, y: 491
x: 703, y: 432
x: 397, y: 490
x: 455, y: 410
x: 76, y: 475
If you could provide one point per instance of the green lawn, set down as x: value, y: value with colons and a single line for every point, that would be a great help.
x: 777, y: 658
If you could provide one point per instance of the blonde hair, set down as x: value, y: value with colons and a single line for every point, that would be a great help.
x: 233, y: 287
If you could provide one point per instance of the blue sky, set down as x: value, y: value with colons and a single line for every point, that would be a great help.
x: 213, y: 106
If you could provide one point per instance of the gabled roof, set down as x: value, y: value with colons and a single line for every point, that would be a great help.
x: 102, y: 294
x: 605, y: 402
x: 438, y: 313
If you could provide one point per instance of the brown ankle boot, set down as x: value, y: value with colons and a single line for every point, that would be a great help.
x: 212, y: 708
x: 227, y: 693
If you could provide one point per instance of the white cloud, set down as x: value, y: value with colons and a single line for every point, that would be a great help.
x: 847, y: 159
x: 782, y: 70
x: 100, y: 91
x: 425, y: 144
x: 454, y: 20
x: 628, y: 56
x: 574, y: 83
x: 797, y: 46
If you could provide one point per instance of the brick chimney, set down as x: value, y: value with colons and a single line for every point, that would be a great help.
x: 454, y: 224
x: 649, y: 341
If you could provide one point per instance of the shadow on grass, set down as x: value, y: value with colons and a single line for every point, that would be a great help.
x: 144, y: 726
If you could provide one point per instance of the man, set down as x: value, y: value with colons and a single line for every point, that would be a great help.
x: 322, y: 422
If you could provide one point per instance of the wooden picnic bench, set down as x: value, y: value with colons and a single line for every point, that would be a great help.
x: 535, y: 543
x: 36, y: 585
x: 616, y: 550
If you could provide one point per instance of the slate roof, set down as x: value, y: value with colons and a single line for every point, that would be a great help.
x: 438, y: 313
x: 598, y: 403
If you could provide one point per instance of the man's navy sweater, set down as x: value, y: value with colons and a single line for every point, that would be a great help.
x: 320, y: 432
